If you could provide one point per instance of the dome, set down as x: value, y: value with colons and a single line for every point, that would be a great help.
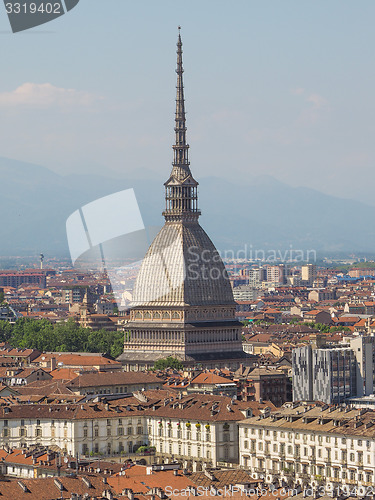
x: 182, y: 267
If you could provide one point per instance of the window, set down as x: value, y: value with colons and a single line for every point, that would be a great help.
x: 108, y: 421
x: 139, y: 430
x: 108, y: 431
x: 22, y: 422
x: 85, y: 432
x: 120, y: 431
x: 246, y: 444
x: 38, y: 422
x: 130, y: 431
x: 38, y: 432
x: 96, y: 432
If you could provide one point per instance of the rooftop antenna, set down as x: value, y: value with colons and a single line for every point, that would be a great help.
x: 41, y: 260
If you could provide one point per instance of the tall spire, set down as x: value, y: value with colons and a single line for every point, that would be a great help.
x: 180, y: 148
x: 181, y: 188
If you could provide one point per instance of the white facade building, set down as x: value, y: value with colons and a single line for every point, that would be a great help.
x: 310, y: 445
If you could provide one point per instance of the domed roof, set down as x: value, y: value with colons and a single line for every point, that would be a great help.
x: 182, y: 267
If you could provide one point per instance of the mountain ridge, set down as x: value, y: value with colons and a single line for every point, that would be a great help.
x: 259, y: 211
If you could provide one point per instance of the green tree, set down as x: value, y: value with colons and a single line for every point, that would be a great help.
x: 6, y: 330
x: 169, y: 362
x: 67, y: 336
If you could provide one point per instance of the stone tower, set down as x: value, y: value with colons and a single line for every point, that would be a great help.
x: 183, y: 304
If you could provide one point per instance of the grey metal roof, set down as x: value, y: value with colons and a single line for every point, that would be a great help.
x: 182, y: 267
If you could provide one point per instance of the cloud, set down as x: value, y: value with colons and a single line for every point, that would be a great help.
x: 298, y: 91
x: 45, y: 95
x: 317, y: 100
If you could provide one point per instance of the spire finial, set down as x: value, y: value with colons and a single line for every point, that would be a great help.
x: 181, y: 188
x: 180, y: 148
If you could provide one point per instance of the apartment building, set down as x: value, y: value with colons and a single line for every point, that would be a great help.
x: 196, y: 430
x: 332, y: 375
x: 310, y: 445
x: 308, y: 274
x: 245, y: 292
x: 276, y: 274
x: 114, y: 382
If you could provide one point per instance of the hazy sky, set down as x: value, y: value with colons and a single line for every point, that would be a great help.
x: 284, y: 88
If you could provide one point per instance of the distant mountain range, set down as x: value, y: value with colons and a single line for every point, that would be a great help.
x: 262, y: 212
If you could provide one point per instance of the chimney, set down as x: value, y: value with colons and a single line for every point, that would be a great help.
x: 53, y: 364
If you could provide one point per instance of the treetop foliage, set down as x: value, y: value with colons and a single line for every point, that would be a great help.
x: 41, y: 334
x: 169, y: 362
